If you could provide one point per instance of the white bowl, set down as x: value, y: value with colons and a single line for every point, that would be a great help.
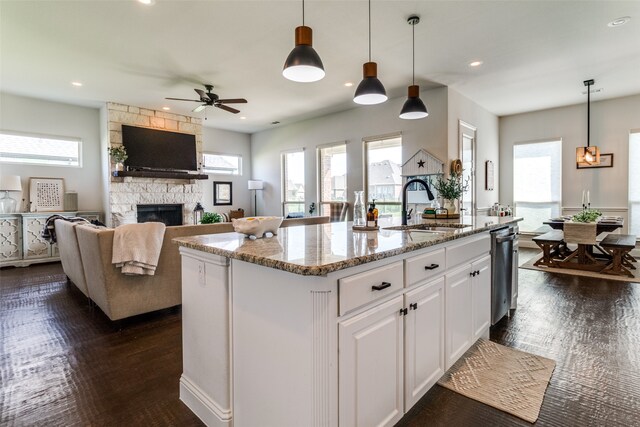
x: 257, y: 226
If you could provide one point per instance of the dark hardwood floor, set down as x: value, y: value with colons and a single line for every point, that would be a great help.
x: 62, y: 363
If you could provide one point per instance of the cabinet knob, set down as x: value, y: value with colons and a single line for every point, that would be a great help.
x: 403, y: 311
x: 473, y: 273
x: 431, y: 267
x: 413, y: 306
x: 381, y: 286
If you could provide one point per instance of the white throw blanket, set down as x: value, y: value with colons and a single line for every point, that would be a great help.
x: 136, y: 247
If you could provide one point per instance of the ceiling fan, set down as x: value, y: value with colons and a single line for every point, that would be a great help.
x: 210, y: 99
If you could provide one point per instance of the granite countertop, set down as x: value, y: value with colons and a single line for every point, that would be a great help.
x: 316, y: 250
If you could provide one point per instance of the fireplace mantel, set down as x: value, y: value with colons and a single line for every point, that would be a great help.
x: 159, y: 174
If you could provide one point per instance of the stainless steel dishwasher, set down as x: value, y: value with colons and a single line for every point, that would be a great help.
x: 502, y: 240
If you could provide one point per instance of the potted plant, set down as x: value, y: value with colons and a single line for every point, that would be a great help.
x: 211, y: 218
x: 451, y: 189
x: 587, y: 215
x: 118, y: 154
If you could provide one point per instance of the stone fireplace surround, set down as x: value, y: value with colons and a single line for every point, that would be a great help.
x: 124, y: 194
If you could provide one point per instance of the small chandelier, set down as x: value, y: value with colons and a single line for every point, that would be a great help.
x: 413, y: 107
x: 303, y: 63
x: 589, y: 155
x: 370, y: 91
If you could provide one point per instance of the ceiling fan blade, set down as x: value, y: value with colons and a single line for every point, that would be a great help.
x: 203, y: 96
x: 182, y: 99
x: 233, y: 101
x: 229, y: 109
x: 199, y: 108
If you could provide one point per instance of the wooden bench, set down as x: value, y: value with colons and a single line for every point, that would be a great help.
x: 553, y: 248
x: 619, y: 246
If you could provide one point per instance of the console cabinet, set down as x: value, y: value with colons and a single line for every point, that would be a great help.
x: 21, y: 243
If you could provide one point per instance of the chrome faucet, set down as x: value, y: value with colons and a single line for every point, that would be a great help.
x: 404, y: 196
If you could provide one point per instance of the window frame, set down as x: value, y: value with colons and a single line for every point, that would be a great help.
x: 319, y: 176
x: 513, y: 196
x: 34, y: 135
x: 365, y: 168
x: 283, y: 174
x: 630, y: 203
x: 216, y: 172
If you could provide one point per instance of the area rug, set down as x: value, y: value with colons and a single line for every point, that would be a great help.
x: 504, y: 378
x: 636, y: 273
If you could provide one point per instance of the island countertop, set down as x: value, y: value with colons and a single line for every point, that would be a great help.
x: 316, y: 250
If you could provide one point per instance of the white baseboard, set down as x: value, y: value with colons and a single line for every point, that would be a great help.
x: 202, y: 405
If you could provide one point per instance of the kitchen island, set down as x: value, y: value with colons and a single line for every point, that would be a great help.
x: 325, y: 326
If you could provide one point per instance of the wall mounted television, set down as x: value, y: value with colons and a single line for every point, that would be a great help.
x: 154, y: 149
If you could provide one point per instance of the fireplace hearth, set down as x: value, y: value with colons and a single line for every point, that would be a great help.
x: 168, y: 214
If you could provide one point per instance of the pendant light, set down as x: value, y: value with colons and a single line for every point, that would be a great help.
x: 303, y: 63
x: 413, y: 107
x: 370, y: 90
x: 588, y: 154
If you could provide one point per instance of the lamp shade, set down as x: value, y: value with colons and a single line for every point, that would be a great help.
x: 10, y: 183
x: 413, y: 107
x: 370, y: 91
x: 303, y: 63
x: 255, y: 185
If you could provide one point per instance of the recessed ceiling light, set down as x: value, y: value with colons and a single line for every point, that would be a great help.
x: 243, y: 118
x: 619, y: 21
x: 275, y: 122
x: 475, y: 63
x: 166, y: 108
x: 348, y: 84
x: 147, y: 2
x: 77, y: 84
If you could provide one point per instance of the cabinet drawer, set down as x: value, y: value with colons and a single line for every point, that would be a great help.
x: 425, y: 266
x: 358, y: 290
x: 468, y: 249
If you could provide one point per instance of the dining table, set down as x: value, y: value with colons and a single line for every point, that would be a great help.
x: 584, y: 257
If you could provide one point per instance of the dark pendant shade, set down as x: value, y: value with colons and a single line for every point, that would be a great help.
x: 303, y: 63
x: 370, y: 90
x: 413, y: 107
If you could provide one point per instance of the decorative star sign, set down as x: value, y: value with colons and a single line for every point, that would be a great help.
x: 420, y: 163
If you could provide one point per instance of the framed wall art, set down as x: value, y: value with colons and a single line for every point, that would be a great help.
x: 606, y: 161
x: 46, y: 194
x: 222, y: 193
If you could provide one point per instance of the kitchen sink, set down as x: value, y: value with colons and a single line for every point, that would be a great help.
x: 440, y: 228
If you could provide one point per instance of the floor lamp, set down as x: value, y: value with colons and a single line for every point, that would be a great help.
x: 255, y: 186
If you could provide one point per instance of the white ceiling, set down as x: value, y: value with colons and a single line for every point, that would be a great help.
x: 536, y: 53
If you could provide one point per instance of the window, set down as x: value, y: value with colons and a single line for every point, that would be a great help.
x: 634, y: 183
x: 537, y: 182
x: 28, y: 149
x: 293, y: 183
x: 332, y: 175
x: 222, y: 164
x: 383, y: 180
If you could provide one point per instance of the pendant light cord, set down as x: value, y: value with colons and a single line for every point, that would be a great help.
x: 303, y: 13
x: 588, y: 114
x: 413, y: 53
x: 369, y: 30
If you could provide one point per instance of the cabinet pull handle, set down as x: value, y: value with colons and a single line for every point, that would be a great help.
x: 381, y: 286
x: 473, y: 273
x: 431, y: 267
x: 477, y: 271
x: 403, y: 311
x: 413, y: 306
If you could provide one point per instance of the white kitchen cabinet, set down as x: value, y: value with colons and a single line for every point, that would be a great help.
x: 481, y: 297
x: 458, y: 316
x: 10, y: 238
x: 424, y: 339
x: 371, y: 361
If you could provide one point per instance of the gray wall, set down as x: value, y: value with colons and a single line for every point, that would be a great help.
x: 352, y: 126
x: 229, y: 142
x: 487, y: 143
x: 611, y: 122
x: 38, y: 116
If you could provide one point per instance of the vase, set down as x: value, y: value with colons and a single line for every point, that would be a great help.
x: 358, y: 209
x: 450, y: 206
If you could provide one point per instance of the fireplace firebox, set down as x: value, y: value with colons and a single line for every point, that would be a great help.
x: 168, y: 214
